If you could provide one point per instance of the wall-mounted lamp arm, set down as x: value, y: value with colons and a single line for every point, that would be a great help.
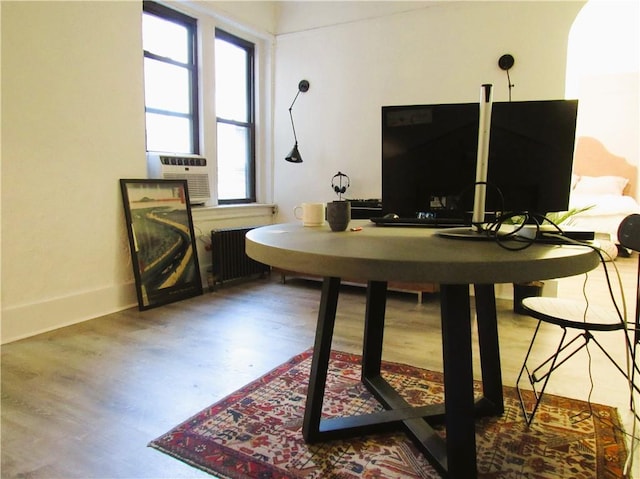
x: 294, y: 155
x: 293, y: 127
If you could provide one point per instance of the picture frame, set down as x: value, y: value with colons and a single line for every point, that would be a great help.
x: 161, y: 240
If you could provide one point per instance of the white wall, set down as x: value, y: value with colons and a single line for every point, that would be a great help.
x: 72, y: 126
x: 253, y: 15
x: 441, y: 52
x: 73, y: 122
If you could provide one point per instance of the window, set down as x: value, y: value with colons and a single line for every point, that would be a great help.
x: 171, y: 76
x: 235, y: 118
x: 170, y: 80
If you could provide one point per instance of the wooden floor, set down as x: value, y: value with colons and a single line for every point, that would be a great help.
x: 84, y: 401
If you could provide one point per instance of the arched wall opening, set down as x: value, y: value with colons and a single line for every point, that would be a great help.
x: 603, y: 61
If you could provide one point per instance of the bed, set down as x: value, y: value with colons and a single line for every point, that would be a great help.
x: 607, y: 183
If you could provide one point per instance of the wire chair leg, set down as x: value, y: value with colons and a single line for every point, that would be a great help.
x: 528, y: 418
x: 533, y: 379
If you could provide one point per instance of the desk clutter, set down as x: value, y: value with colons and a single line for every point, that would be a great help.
x: 363, y: 209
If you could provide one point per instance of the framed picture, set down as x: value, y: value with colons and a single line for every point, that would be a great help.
x: 162, y: 241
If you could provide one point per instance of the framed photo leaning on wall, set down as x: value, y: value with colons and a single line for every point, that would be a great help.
x: 161, y: 240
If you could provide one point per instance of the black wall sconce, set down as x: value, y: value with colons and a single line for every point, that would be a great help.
x: 505, y: 62
x: 294, y: 154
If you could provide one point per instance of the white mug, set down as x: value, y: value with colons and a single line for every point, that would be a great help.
x: 311, y: 214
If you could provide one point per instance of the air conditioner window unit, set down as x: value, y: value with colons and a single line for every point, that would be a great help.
x: 192, y: 168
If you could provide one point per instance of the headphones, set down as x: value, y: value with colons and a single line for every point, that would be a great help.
x: 339, y: 188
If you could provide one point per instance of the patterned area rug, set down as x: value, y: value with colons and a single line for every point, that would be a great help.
x: 256, y: 432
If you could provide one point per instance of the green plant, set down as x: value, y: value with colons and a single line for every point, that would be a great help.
x: 557, y: 218
x: 562, y: 216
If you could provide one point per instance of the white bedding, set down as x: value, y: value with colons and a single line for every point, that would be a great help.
x: 606, y: 180
x: 605, y: 215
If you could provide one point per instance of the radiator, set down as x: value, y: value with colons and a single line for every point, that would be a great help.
x: 229, y: 259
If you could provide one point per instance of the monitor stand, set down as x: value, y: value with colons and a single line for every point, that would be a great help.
x: 467, y: 233
x: 482, y: 165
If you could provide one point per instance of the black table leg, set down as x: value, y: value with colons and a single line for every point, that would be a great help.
x: 374, y: 328
x: 489, y: 347
x: 314, y: 427
x: 458, y: 381
x: 320, y: 360
x: 455, y: 457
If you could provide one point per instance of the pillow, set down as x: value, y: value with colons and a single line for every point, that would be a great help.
x: 601, y: 185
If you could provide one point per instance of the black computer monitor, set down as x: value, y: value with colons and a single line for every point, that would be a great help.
x: 429, y: 155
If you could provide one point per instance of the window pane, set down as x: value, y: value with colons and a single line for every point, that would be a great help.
x: 233, y: 158
x: 166, y: 86
x: 231, y: 81
x: 165, y: 38
x: 168, y: 133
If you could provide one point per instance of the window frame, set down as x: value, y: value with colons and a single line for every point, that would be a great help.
x: 250, y: 125
x: 191, y: 24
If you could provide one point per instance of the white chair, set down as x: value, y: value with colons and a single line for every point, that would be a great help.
x: 578, y: 327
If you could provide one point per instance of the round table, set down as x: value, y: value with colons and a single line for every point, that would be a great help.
x: 409, y: 254
x: 413, y: 255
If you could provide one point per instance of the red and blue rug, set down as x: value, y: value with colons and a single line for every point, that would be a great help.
x: 255, y: 433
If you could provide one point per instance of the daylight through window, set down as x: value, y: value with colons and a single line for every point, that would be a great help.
x: 234, y: 67
x: 170, y: 80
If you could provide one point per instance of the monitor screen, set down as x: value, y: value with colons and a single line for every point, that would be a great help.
x: 429, y: 157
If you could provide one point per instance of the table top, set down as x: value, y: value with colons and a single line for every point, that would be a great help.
x: 410, y: 255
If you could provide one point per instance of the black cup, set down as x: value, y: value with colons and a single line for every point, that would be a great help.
x: 338, y: 215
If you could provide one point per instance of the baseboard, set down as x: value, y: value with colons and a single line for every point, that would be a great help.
x: 28, y: 320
